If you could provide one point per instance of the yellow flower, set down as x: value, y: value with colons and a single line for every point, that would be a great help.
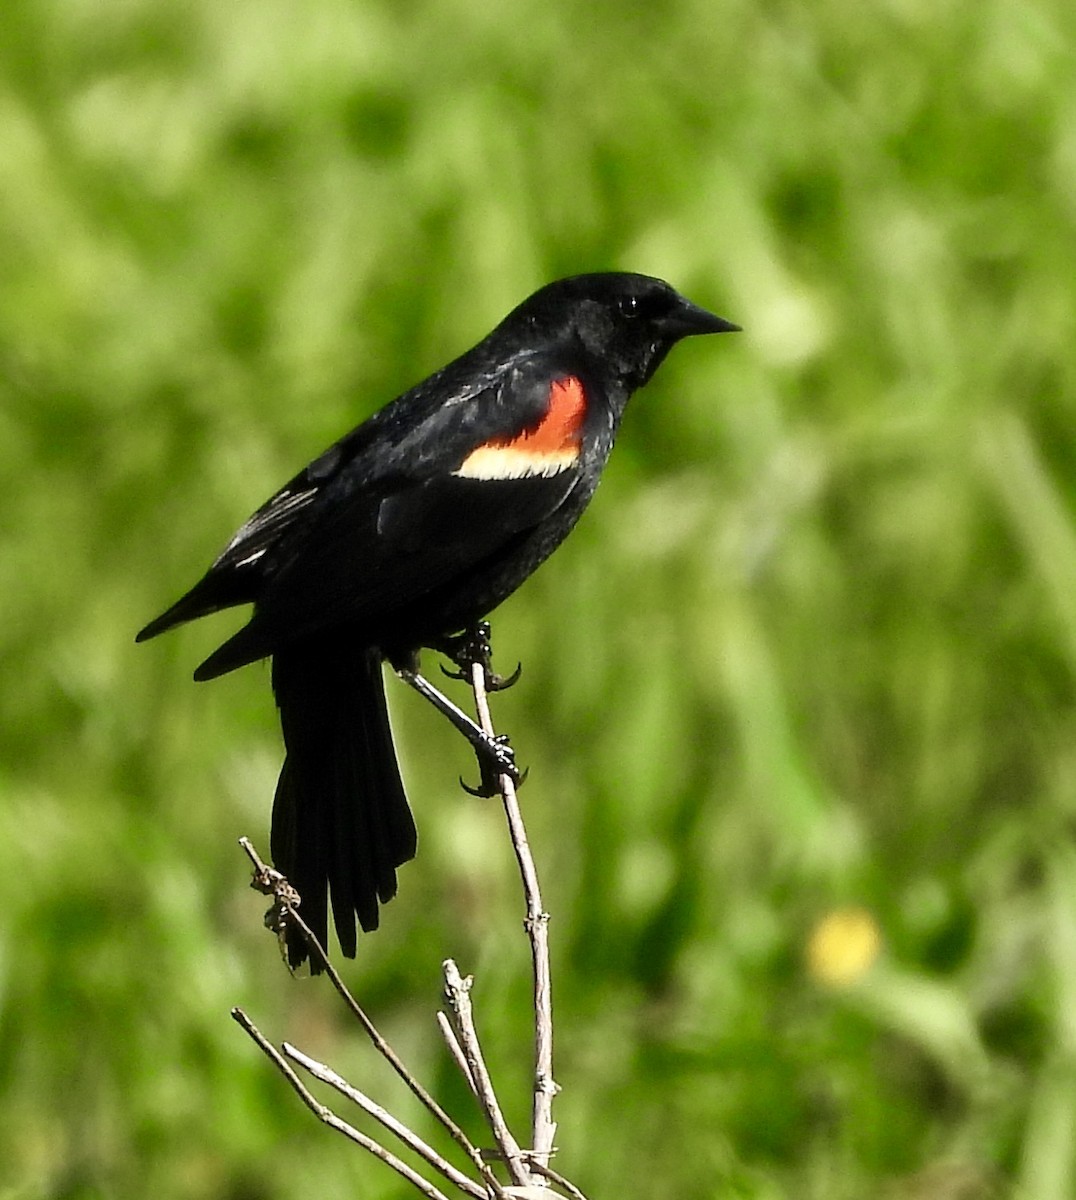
x: 843, y: 946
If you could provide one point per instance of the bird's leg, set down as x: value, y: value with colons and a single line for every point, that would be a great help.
x: 495, y: 755
x: 474, y: 646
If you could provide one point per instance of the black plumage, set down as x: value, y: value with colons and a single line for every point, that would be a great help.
x: 411, y: 528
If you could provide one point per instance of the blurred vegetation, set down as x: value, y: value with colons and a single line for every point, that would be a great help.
x: 798, y: 694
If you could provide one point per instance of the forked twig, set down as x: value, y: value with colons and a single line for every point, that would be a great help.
x: 386, y: 1119
x: 271, y: 882
x: 458, y: 995
x: 329, y: 1117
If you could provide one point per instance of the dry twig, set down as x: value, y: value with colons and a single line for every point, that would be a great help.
x: 458, y: 995
x: 271, y: 882
x: 536, y: 923
x: 329, y: 1117
x: 395, y: 1127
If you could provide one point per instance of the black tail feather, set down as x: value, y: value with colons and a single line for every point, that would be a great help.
x: 341, y: 822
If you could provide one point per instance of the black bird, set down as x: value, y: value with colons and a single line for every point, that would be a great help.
x: 405, y: 532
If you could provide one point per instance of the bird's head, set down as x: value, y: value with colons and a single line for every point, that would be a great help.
x: 626, y: 324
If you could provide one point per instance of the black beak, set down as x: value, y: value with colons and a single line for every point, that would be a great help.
x: 688, y: 319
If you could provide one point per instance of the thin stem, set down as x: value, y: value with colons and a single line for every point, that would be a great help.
x: 329, y: 1117
x: 536, y: 923
x: 454, y: 1049
x: 458, y: 994
x: 267, y: 880
x: 410, y: 1139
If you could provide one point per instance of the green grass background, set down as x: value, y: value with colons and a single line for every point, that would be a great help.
x: 812, y: 647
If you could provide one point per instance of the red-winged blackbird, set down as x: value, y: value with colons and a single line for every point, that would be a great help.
x: 407, y: 531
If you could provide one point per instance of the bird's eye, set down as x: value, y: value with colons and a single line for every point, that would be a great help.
x: 628, y: 306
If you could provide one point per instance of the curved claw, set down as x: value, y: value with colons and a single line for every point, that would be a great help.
x: 482, y: 791
x: 501, y: 683
x: 495, y: 758
x: 452, y: 674
x: 487, y: 789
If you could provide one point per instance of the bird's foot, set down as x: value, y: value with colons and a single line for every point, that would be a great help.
x: 495, y: 758
x: 472, y: 647
x: 494, y: 752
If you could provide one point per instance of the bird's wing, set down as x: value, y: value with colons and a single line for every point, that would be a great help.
x: 423, y: 504
x: 417, y: 436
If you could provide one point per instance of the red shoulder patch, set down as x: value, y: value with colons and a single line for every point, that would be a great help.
x: 545, y: 448
x: 562, y: 426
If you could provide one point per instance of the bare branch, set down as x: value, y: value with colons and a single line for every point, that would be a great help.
x: 329, y: 1117
x: 458, y: 995
x: 453, y: 1045
x: 536, y: 923
x: 271, y: 882
x: 410, y: 1139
